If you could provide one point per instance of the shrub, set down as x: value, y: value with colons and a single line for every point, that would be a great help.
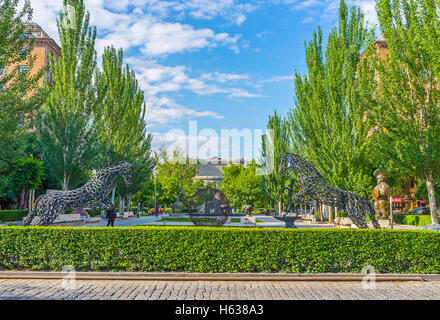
x: 199, y: 249
x: 12, y: 215
x: 93, y: 213
x: 412, y: 219
x: 168, y: 210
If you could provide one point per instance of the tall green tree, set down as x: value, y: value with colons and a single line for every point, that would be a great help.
x: 176, y: 175
x: 120, y: 119
x: 68, y: 139
x: 408, y: 91
x: 242, y: 185
x: 274, y: 146
x: 14, y: 187
x: 19, y: 89
x: 329, y: 124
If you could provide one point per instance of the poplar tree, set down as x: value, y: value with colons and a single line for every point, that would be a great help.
x: 19, y: 89
x: 68, y: 139
x: 273, y: 148
x: 120, y: 120
x: 330, y: 123
x: 408, y: 91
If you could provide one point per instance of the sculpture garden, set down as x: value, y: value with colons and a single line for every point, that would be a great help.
x: 351, y: 157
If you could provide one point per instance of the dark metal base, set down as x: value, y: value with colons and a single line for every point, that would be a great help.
x: 289, y: 220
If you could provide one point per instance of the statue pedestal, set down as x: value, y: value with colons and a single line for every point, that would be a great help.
x: 288, y: 220
x: 248, y: 220
x: 385, y: 223
x: 343, y: 222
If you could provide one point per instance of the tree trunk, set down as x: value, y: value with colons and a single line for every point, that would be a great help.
x: 113, y: 195
x: 431, y: 197
x: 279, y: 207
x: 22, y: 199
x: 128, y: 202
x: 121, y: 205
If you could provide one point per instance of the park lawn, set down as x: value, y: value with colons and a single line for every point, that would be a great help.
x: 174, y: 220
x: 237, y: 220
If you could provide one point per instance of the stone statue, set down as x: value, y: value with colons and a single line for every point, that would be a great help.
x: 49, y: 206
x: 247, y: 208
x: 313, y: 188
x: 381, y: 195
x: 214, y: 205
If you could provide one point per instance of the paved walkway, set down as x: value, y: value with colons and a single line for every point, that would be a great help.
x: 267, y: 222
x: 215, y: 290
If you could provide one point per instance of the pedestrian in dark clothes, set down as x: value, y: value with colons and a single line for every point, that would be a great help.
x: 111, y: 215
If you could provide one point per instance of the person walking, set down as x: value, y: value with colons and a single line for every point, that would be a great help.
x: 111, y: 215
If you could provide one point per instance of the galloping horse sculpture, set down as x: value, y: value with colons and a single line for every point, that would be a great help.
x: 49, y: 206
x: 314, y: 188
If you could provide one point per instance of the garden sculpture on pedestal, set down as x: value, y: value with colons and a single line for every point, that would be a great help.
x: 247, y: 208
x: 49, y: 206
x: 208, y: 207
x: 290, y: 207
x: 381, y: 194
x: 314, y: 188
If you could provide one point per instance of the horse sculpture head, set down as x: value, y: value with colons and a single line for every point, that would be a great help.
x: 289, y: 161
x: 301, y: 166
x: 127, y: 173
x: 112, y: 170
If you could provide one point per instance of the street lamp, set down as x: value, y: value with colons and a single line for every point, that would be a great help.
x: 155, y: 182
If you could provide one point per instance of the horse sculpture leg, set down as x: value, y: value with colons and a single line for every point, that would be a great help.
x: 46, y: 211
x: 28, y: 219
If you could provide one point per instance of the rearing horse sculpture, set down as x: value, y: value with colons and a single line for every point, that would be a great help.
x: 49, y: 206
x: 314, y: 187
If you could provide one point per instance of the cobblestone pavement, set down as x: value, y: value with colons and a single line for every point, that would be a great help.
x: 215, y: 290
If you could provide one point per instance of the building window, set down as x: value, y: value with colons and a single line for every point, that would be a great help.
x: 21, y: 69
x: 49, y: 76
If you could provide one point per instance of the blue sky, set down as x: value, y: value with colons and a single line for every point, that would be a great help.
x: 225, y: 64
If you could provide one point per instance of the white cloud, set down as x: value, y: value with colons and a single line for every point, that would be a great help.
x: 208, y: 142
x: 241, y: 93
x: 278, y: 79
x: 224, y: 77
x: 155, y: 78
x: 326, y: 10
x: 136, y: 28
x: 164, y: 110
x: 240, y: 19
x: 369, y: 9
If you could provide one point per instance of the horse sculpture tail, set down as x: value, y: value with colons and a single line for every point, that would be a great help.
x: 28, y: 219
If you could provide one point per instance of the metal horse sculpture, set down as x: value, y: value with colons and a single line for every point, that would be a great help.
x: 49, y: 206
x: 314, y: 187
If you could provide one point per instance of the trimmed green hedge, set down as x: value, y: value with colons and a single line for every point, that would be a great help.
x: 413, y: 219
x: 198, y: 249
x: 407, y: 219
x: 12, y: 215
